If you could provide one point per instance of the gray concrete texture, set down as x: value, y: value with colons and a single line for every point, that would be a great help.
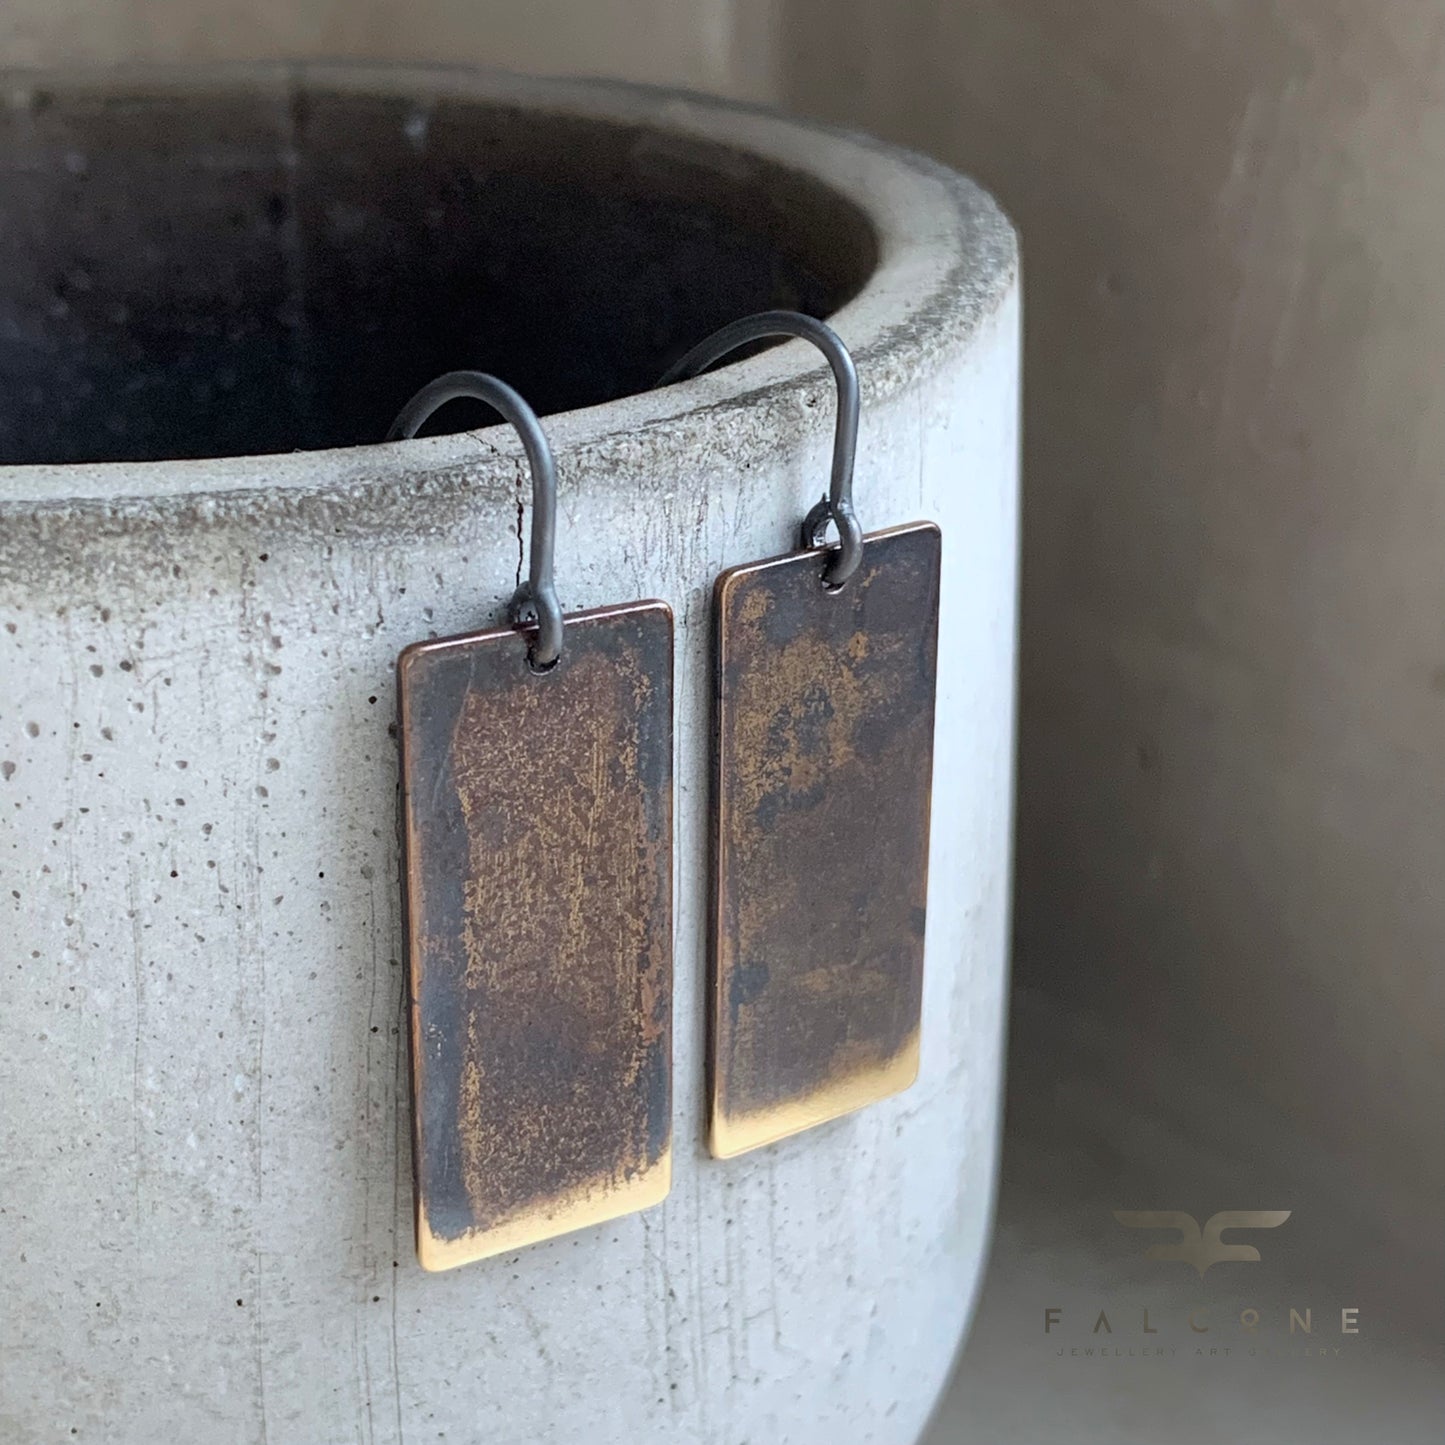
x: 205, y: 1213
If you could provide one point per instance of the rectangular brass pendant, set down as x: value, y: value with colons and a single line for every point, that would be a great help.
x: 823, y: 763
x: 537, y: 833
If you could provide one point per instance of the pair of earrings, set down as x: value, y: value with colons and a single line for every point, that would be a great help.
x: 536, y: 769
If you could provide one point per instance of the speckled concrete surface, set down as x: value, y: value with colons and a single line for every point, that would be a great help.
x: 205, y: 1215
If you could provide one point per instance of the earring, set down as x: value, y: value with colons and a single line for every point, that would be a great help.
x: 824, y: 681
x: 536, y: 808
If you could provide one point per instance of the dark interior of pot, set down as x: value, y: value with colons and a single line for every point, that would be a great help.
x: 224, y: 271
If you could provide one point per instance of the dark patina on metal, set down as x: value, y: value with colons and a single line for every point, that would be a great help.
x: 537, y: 829
x: 823, y: 772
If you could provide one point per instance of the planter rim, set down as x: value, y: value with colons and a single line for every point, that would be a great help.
x: 947, y: 257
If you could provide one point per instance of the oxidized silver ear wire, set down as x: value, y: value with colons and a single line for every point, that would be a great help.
x: 535, y: 602
x: 836, y: 505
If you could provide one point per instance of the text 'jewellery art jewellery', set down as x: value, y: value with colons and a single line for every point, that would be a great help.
x: 536, y: 809
x: 825, y: 668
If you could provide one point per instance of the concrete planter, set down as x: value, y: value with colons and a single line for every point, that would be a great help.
x: 205, y: 1211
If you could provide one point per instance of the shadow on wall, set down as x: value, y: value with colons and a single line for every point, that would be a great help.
x: 1230, y: 835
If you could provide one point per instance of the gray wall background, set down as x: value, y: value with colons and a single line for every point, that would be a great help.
x: 1230, y: 891
x: 1231, y: 900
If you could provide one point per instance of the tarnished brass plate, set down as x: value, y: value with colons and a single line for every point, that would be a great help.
x: 823, y: 771
x: 537, y: 829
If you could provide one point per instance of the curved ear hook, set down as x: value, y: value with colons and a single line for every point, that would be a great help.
x: 535, y: 601
x: 837, y: 506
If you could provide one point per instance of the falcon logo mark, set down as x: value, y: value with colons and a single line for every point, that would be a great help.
x: 1202, y: 1248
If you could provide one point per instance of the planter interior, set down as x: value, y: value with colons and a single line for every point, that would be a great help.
x: 218, y: 272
